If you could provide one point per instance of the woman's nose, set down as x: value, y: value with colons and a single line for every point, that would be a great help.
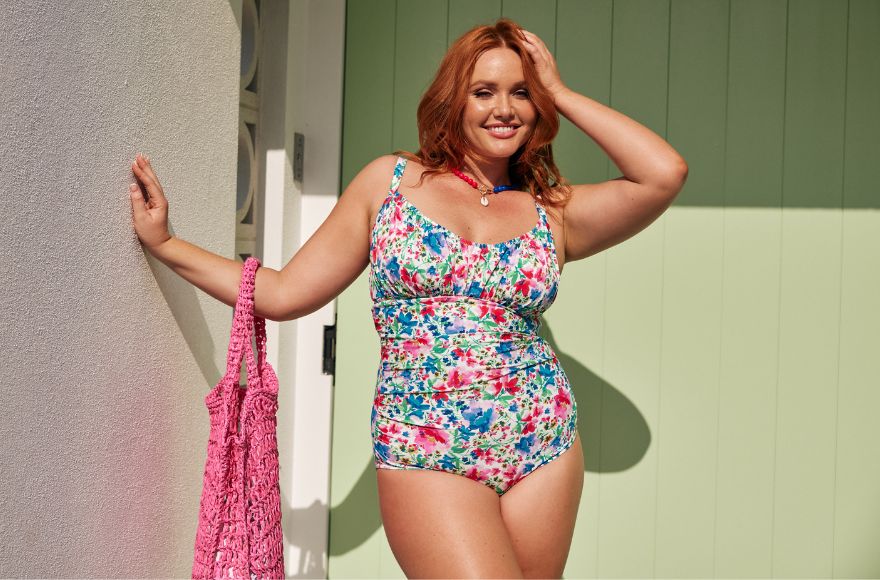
x: 503, y: 108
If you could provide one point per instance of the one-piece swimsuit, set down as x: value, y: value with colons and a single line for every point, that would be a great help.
x: 465, y: 385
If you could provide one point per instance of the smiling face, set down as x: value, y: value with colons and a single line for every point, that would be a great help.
x: 499, y: 115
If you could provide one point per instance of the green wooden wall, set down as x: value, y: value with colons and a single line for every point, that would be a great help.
x: 725, y: 359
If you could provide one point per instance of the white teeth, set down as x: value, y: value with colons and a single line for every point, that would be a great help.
x: 503, y: 130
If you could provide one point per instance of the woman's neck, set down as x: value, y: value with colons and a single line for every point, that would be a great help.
x: 492, y: 172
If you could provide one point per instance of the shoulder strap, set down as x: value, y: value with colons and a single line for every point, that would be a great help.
x: 243, y: 325
x: 398, y: 174
x: 542, y: 214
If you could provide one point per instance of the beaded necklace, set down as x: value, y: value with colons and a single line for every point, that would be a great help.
x: 484, y: 191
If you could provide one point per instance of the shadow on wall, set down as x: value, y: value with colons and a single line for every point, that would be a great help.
x: 182, y: 300
x: 361, y: 506
x: 622, y: 439
x: 311, y: 546
x: 626, y: 439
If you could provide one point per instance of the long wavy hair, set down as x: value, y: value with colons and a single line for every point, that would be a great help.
x: 442, y: 143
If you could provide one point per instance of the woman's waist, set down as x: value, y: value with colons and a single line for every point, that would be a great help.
x: 475, y: 348
x: 449, y: 315
x: 460, y: 361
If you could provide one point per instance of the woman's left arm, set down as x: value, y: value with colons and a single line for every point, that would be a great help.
x: 601, y: 215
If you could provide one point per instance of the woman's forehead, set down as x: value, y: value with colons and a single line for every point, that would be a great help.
x: 498, y: 63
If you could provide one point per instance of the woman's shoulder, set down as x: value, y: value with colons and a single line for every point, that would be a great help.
x: 371, y: 185
x: 380, y: 166
x: 374, y: 175
x: 385, y: 166
x: 556, y: 202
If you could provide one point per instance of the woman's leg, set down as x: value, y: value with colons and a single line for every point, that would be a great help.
x: 444, y: 525
x: 540, y: 511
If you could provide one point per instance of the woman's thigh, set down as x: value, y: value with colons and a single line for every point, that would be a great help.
x: 444, y: 525
x: 540, y: 512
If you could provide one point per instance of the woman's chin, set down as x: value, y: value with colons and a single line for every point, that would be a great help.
x: 505, y: 152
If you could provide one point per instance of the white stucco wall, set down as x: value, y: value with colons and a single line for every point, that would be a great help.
x: 107, y: 355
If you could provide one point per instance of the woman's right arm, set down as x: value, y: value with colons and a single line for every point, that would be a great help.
x: 326, y: 264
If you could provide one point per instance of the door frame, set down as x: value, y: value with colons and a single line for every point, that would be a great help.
x: 309, y: 53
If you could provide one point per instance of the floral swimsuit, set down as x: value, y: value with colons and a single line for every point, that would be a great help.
x: 465, y: 384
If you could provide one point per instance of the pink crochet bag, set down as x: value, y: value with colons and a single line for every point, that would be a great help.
x: 239, y: 534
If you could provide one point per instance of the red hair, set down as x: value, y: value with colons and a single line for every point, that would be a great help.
x: 442, y: 144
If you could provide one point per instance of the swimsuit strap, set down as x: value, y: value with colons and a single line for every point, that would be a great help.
x: 543, y: 215
x: 398, y: 174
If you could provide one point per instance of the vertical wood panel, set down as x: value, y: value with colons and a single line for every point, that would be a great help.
x: 756, y: 103
x: 698, y: 96
x: 857, y: 499
x: 750, y: 309
x: 810, y: 289
x: 367, y: 126
x: 420, y: 44
x: 807, y: 393
x: 465, y: 14
x: 747, y: 394
x: 537, y: 16
x: 583, y: 54
x: 862, y: 170
x: 633, y: 305
x: 857, y: 495
x: 369, y: 78
x: 814, y: 106
x: 688, y: 415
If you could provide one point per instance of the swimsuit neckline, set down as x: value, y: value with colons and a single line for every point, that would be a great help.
x: 394, y: 193
x: 425, y: 218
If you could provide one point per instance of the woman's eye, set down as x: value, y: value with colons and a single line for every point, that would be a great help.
x: 482, y: 94
x: 522, y: 93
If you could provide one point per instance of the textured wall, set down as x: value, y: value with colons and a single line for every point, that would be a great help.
x: 107, y: 355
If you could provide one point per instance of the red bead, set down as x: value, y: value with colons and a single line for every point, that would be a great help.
x: 468, y: 180
x: 476, y: 185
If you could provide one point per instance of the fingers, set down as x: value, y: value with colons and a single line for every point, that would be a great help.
x: 533, y: 42
x: 533, y: 46
x: 545, y: 64
x: 138, y: 205
x: 532, y: 49
x: 144, y: 172
x: 148, y: 168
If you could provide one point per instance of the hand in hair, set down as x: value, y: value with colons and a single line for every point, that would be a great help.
x: 545, y: 64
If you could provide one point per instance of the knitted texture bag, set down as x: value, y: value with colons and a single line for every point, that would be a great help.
x: 239, y: 534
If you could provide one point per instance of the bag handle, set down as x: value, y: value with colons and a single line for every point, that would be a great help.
x: 243, y: 324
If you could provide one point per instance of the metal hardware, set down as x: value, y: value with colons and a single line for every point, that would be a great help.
x: 299, y: 144
x: 328, y: 366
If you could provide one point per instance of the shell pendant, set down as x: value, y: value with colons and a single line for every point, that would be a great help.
x: 484, y: 200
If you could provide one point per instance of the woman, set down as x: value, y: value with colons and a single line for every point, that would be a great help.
x: 466, y: 387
